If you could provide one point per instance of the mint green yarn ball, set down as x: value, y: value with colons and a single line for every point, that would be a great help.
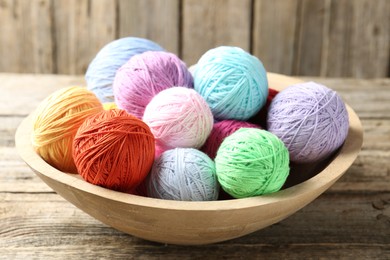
x: 252, y: 162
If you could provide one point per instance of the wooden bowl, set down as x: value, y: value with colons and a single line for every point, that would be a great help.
x: 193, y: 223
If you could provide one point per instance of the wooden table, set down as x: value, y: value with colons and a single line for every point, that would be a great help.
x: 350, y: 220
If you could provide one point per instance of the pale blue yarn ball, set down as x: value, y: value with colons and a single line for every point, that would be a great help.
x: 101, y: 71
x: 232, y: 81
x: 184, y: 174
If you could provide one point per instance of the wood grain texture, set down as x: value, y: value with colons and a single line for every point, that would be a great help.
x: 15, y: 84
x: 359, y: 39
x: 209, y: 24
x: 44, y: 225
x: 333, y: 38
x: 8, y: 37
x: 310, y: 37
x: 82, y: 29
x: 40, y: 32
x: 71, y: 36
x: 274, y: 29
x: 102, y: 23
x: 25, y: 36
x: 157, y: 20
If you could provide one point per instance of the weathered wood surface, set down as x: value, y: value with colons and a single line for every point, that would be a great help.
x: 80, y: 29
x: 328, y: 38
x: 274, y: 30
x: 350, y: 220
x: 157, y: 20
x: 208, y: 24
x: 356, y: 38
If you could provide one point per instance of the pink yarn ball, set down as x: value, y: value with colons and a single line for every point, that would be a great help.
x: 220, y: 131
x: 179, y: 117
x: 144, y: 76
x: 158, y: 151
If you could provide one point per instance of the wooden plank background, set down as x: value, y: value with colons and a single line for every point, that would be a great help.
x: 332, y: 38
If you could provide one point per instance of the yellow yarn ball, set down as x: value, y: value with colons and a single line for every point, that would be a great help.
x: 109, y: 105
x: 56, y: 121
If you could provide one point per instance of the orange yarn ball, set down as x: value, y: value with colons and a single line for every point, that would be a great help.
x: 56, y: 121
x: 114, y: 149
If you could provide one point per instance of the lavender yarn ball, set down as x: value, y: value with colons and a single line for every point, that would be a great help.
x: 184, y: 174
x: 101, y: 71
x: 144, y: 76
x: 311, y: 120
x: 232, y: 81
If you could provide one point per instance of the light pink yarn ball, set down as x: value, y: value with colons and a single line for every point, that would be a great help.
x: 144, y: 76
x: 179, y: 117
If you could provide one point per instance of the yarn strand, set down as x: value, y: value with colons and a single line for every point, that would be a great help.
x: 114, y: 150
x: 310, y: 119
x: 56, y: 121
x: 252, y: 162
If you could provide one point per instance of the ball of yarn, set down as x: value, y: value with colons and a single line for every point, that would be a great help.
x: 179, y: 117
x: 252, y: 162
x: 114, y: 149
x: 191, y: 69
x: 220, y: 131
x: 56, y: 121
x: 232, y: 81
x: 109, y: 105
x: 183, y: 174
x: 310, y: 119
x: 144, y: 76
x: 261, y: 117
x: 158, y: 151
x: 101, y: 71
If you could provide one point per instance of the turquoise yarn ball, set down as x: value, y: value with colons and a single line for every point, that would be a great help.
x: 252, y: 162
x: 232, y: 81
x: 184, y: 174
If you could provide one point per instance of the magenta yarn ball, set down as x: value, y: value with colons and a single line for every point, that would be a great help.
x: 144, y: 76
x: 311, y: 119
x: 179, y: 117
x: 220, y: 131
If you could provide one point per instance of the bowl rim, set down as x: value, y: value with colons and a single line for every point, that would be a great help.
x: 334, y: 170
